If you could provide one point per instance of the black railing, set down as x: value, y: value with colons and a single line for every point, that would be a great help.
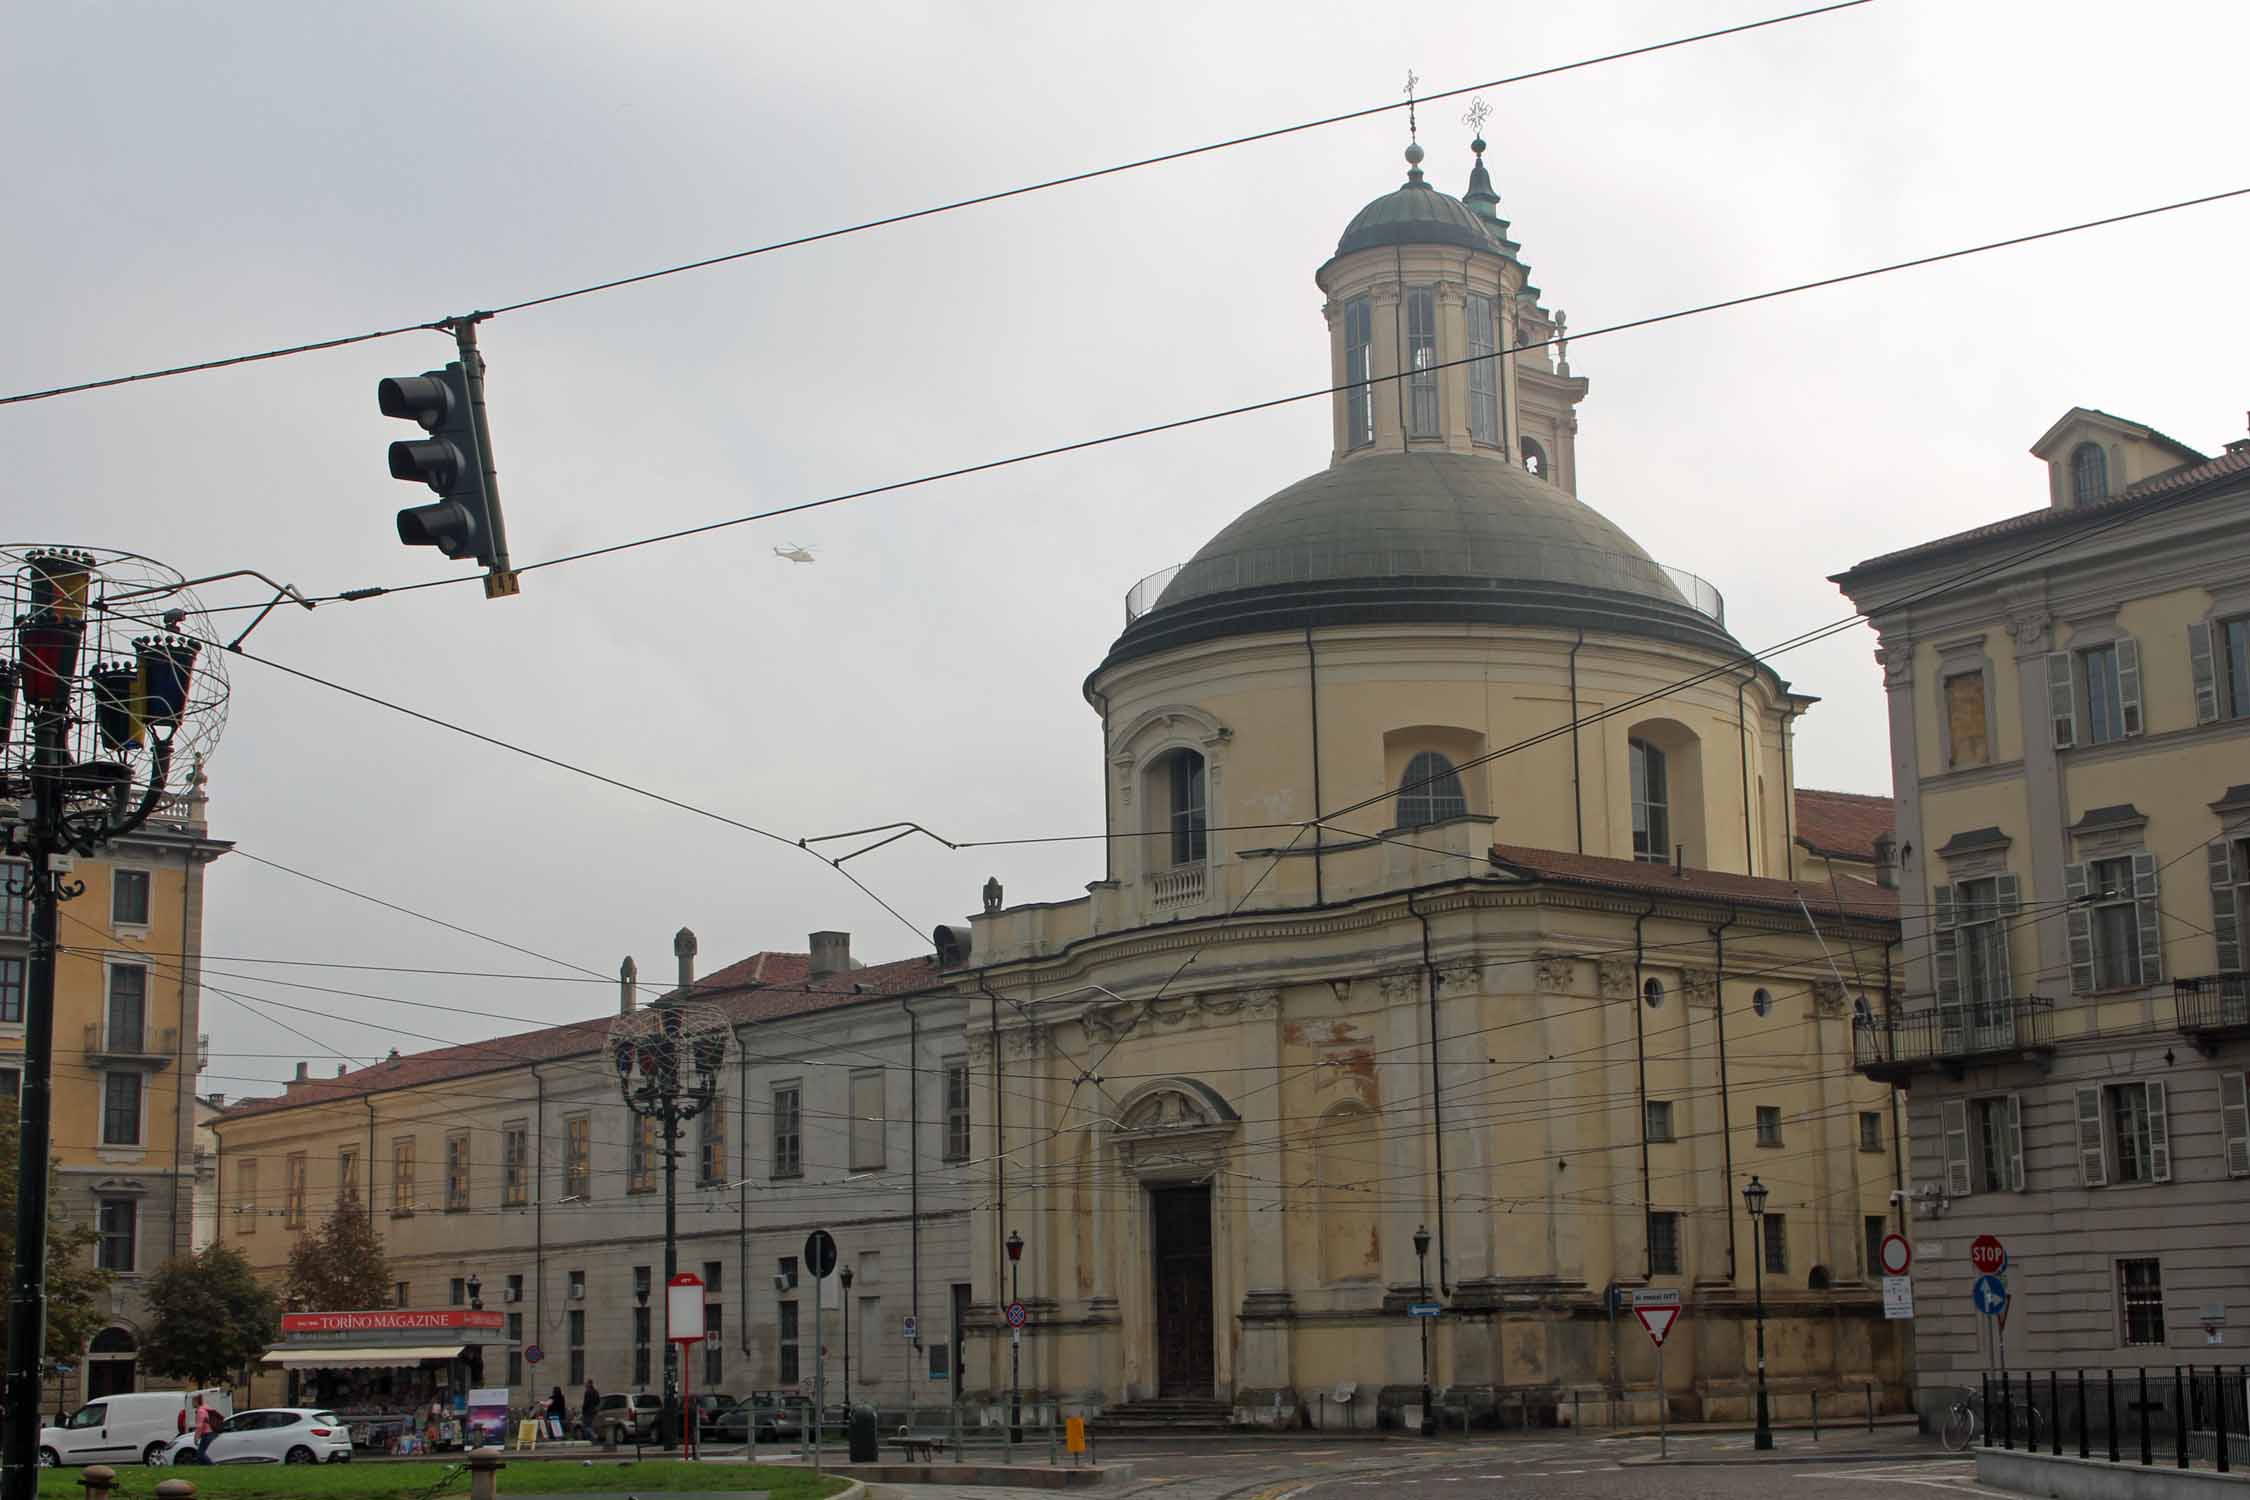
x: 2183, y: 1416
x: 1949, y: 1032
x: 2215, y: 1002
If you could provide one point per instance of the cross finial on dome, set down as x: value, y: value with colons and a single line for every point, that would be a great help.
x: 1478, y: 113
x: 1480, y: 197
x: 1413, y: 142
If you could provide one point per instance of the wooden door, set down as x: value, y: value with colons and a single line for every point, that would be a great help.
x: 1184, y: 1354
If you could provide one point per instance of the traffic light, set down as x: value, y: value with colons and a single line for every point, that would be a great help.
x: 450, y: 461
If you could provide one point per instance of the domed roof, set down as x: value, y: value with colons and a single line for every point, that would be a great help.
x: 1416, y: 214
x: 1415, y: 538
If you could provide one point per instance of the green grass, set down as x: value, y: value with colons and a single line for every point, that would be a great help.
x: 415, y: 1480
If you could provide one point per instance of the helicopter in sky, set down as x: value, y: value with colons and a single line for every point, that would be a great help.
x: 795, y: 553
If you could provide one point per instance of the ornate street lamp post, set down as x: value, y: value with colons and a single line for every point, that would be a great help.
x: 106, y: 713
x: 1015, y: 1340
x: 844, y: 1279
x: 1754, y: 1199
x: 669, y: 1060
x: 1422, y: 1259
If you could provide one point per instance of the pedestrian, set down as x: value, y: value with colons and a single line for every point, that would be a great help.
x: 557, y: 1415
x: 593, y: 1405
x: 206, y: 1428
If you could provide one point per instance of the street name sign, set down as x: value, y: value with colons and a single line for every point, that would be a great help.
x: 1423, y: 1310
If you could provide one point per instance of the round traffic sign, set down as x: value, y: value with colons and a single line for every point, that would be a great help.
x: 1895, y: 1255
x: 820, y: 1254
x: 533, y: 1355
x: 1017, y: 1317
x: 1988, y: 1255
x: 1990, y: 1294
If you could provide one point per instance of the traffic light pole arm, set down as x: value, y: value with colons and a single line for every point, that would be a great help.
x: 501, y: 581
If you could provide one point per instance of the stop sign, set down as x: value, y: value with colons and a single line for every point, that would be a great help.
x: 1987, y: 1255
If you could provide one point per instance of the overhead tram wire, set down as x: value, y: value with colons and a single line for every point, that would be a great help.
x: 978, y: 200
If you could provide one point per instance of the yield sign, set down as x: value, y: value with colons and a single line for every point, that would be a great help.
x: 1658, y: 1321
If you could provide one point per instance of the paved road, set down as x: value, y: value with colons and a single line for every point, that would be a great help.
x: 1571, y: 1475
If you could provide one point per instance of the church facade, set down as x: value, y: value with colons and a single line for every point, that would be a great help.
x: 1456, y: 944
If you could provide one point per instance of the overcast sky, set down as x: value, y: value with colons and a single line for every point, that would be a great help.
x: 193, y: 181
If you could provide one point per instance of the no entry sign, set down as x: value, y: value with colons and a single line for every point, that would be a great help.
x: 1895, y: 1254
x: 1988, y: 1255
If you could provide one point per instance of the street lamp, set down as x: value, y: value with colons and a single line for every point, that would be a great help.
x: 1015, y: 1340
x: 106, y: 714
x: 1754, y: 1199
x: 476, y: 1293
x: 669, y: 1059
x: 844, y: 1279
x: 1422, y: 1259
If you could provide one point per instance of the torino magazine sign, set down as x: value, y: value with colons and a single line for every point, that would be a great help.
x: 390, y: 1321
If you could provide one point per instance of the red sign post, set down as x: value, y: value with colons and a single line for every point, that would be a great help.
x: 683, y: 1325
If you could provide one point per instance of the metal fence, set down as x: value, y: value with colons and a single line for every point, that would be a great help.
x: 2182, y: 1416
x: 2214, y: 1002
x: 1977, y: 1029
x: 1232, y: 571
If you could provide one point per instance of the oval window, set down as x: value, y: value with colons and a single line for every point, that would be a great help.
x: 1762, y: 1002
x: 1653, y: 993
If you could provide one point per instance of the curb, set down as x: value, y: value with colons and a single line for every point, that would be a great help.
x: 1879, y: 1456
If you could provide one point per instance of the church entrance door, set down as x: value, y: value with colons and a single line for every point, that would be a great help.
x: 1184, y: 1344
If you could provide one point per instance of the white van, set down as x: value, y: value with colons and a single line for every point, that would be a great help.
x: 135, y: 1427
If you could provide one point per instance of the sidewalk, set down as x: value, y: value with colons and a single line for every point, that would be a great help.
x: 1896, y: 1443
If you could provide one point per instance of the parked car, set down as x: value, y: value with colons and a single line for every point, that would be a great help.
x: 271, y: 1435
x: 762, y: 1419
x: 135, y: 1427
x: 632, y: 1419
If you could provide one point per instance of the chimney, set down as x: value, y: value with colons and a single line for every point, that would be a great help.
x: 339, y: 1070
x: 218, y: 1101
x: 831, y: 953
x: 683, y: 949
x: 304, y: 1071
x: 628, y: 985
x: 1886, y: 861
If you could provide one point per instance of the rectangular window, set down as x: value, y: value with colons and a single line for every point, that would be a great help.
x: 711, y: 1144
x: 402, y: 1293
x: 788, y: 1130
x: 247, y: 1201
x: 11, y: 1085
x: 1997, y: 1123
x: 641, y: 1331
x: 128, y: 898
x: 457, y: 1172
x: 578, y: 1286
x: 1190, y: 818
x: 1776, y: 1232
x: 956, y: 1110
x: 713, y: 1270
x: 578, y: 1157
x: 293, y: 1192
x: 118, y: 1224
x: 128, y: 1007
x: 785, y: 1364
x: 2140, y: 1302
x: 577, y: 1347
x: 1870, y: 1130
x: 714, y: 1346
x: 1652, y: 808
x: 402, y: 1175
x: 1874, y: 1228
x: 2138, y: 1133
x: 121, y: 1109
x: 1484, y: 372
x: 2110, y: 674
x: 1968, y: 741
x: 11, y: 991
x: 458, y: 1293
x: 786, y: 1269
x: 1421, y: 362
x: 15, y: 910
x: 515, y: 1289
x: 1981, y: 941
x: 515, y: 1164
x: 1769, y: 1124
x: 2233, y: 640
x: 640, y: 1165
x: 347, y: 1173
x: 1663, y: 1244
x: 515, y: 1355
x: 1659, y: 1120
x: 2114, y: 919
x: 1359, y: 350
x: 867, y: 1120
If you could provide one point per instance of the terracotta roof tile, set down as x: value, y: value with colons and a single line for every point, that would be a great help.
x: 1859, y: 899
x: 1842, y: 823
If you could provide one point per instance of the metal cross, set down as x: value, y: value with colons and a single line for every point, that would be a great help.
x: 1479, y: 112
x: 1411, y: 82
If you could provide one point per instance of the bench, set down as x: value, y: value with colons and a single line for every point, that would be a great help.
x: 920, y: 1449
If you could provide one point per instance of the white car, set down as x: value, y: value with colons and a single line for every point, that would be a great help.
x: 272, y: 1435
x: 129, y: 1427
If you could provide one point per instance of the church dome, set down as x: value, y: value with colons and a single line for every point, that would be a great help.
x: 1416, y: 214
x: 1420, y: 538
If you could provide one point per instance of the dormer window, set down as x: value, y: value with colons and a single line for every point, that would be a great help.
x: 2089, y: 473
x: 1652, y: 804
x: 1534, y: 459
x: 1430, y: 791
x: 1189, y: 821
x: 1421, y: 360
x: 1359, y: 350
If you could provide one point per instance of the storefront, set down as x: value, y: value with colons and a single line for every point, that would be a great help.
x: 392, y: 1374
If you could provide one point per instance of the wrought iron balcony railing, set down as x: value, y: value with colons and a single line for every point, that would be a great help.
x: 1953, y: 1035
x: 2212, y: 1004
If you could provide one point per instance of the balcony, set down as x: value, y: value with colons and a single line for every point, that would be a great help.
x: 1182, y: 885
x: 1952, y: 1037
x: 2212, y: 1008
x: 149, y: 1047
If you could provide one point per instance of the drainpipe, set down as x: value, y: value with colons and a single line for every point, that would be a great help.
x: 999, y: 1136
x: 1726, y: 1116
x: 742, y: 1195
x: 1437, y: 1097
x: 1742, y: 737
x: 1788, y: 794
x: 1577, y: 789
x: 1109, y: 816
x: 1312, y: 692
x: 539, y: 1206
x: 368, y: 1176
x: 1640, y: 1062
x: 914, y: 1158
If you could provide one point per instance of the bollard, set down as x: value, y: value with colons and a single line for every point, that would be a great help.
x: 2219, y: 1413
x: 484, y: 1474
x: 1984, y: 1406
x: 175, y: 1489
x: 2007, y: 1412
x: 2179, y: 1416
x: 1054, y: 1454
x: 1871, y: 1406
x: 953, y: 1417
x: 1816, y: 1416
x: 2148, y: 1452
x: 1574, y: 1422
x: 2030, y: 1417
x: 2083, y: 1450
x: 2109, y: 1405
x: 97, y: 1481
x: 2054, y: 1412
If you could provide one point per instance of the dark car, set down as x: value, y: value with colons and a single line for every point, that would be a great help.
x: 708, y: 1407
x: 632, y: 1419
x: 762, y: 1418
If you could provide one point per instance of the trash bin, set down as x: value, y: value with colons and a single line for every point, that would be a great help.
x: 863, y: 1445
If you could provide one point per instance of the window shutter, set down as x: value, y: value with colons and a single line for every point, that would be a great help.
x: 1953, y: 1116
x: 2234, y: 1121
x: 1943, y: 945
x: 2206, y: 677
x: 2007, y: 903
x: 2078, y: 928
x: 2093, y: 1160
x: 2224, y: 923
x: 2014, y: 1141
x: 2062, y: 703
x: 2159, y: 1135
x: 2151, y: 918
x: 2129, y: 684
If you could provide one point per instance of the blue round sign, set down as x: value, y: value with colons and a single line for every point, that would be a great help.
x: 1990, y: 1294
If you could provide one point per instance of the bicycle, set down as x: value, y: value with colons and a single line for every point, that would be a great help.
x: 1966, y: 1420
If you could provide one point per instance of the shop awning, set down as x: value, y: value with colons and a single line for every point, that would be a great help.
x: 366, y: 1357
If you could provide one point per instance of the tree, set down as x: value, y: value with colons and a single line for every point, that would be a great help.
x: 340, y: 1267
x: 209, y: 1317
x: 75, y: 1311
